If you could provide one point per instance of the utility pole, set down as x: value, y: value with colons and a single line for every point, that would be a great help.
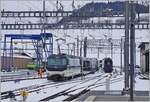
x: 57, y: 7
x: 126, y: 46
x: 58, y: 44
x: 111, y: 50
x: 0, y: 51
x: 149, y: 46
x: 132, y: 49
x: 0, y: 46
x: 111, y: 47
x: 68, y: 48
x: 105, y: 43
x: 121, y: 69
x: 85, y: 47
x: 77, y: 45
x: 98, y: 52
x: 138, y: 13
x: 74, y: 48
x: 59, y: 51
x: 43, y: 28
x: 81, y: 48
x: 44, y: 31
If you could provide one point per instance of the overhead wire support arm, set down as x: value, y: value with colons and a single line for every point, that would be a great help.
x: 36, y: 38
x: 25, y: 14
x: 37, y: 26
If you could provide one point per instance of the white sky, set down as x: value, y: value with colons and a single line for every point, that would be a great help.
x: 50, y: 4
x: 141, y: 35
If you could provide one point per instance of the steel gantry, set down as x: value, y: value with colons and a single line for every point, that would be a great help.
x: 41, y: 42
x: 69, y: 20
x: 54, y: 14
x: 101, y: 44
x: 37, y: 26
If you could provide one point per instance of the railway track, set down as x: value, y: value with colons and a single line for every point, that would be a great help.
x: 20, y: 79
x: 144, y: 76
x: 71, y: 89
x: 13, y: 77
x: 23, y: 76
x: 34, y: 88
x: 85, y: 90
x: 81, y: 90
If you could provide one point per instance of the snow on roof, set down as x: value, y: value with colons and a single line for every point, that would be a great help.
x: 143, y: 44
x: 20, y: 56
x: 27, y: 54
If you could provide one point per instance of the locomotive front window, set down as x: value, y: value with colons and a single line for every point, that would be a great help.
x: 57, y: 61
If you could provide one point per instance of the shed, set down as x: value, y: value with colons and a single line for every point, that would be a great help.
x: 144, y: 56
x: 19, y: 61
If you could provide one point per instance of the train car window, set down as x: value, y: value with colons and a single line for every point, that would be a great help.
x: 57, y: 61
x: 108, y: 65
x: 86, y: 63
x: 74, y: 62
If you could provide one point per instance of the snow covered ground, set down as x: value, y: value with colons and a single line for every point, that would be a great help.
x: 140, y: 85
x: 48, y: 90
x: 11, y: 85
x: 141, y: 36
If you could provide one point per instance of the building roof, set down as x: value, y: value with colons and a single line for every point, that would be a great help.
x: 16, y: 55
x: 142, y: 44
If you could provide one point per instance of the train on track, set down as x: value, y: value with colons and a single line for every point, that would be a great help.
x: 63, y: 66
x: 31, y: 66
x: 107, y: 65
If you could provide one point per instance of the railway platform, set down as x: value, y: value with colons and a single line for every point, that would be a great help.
x: 113, y: 96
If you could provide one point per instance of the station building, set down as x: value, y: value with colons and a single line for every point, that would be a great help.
x: 144, y: 56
